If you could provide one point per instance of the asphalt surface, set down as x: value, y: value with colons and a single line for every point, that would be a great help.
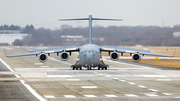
x: 55, y: 80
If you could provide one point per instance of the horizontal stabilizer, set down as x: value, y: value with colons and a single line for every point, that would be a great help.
x: 107, y: 19
x: 74, y: 19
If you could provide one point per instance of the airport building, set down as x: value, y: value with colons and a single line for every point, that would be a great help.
x: 9, y: 36
x: 176, y: 34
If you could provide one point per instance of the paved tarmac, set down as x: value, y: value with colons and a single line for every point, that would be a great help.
x: 55, y: 80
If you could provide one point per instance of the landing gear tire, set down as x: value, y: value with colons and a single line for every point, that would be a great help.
x: 99, y: 68
x: 76, y: 68
x: 73, y: 68
x: 80, y: 68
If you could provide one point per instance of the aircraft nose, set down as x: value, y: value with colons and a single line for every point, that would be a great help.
x: 88, y: 58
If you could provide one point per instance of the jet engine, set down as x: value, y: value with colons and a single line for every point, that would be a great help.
x: 136, y: 57
x: 114, y: 56
x: 42, y: 57
x: 64, y: 56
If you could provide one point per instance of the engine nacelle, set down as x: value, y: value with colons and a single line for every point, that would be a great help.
x: 42, y: 57
x: 64, y: 56
x: 136, y: 57
x: 114, y: 56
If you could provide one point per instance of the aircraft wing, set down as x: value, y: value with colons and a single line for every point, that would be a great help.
x: 46, y: 51
x: 131, y: 50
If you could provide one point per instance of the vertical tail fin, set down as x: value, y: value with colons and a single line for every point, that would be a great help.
x: 90, y: 23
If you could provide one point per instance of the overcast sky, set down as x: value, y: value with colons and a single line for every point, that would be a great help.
x: 45, y: 13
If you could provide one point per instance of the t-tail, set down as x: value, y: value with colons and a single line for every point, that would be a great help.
x: 90, y: 23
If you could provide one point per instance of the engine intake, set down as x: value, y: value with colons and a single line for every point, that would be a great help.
x: 136, y: 57
x: 64, y: 56
x: 42, y: 57
x: 114, y: 56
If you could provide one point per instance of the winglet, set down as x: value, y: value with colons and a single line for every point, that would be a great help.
x: 174, y: 52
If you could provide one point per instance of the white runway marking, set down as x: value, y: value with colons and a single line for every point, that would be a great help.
x: 60, y: 61
x: 151, y: 95
x: 26, y: 85
x: 163, y: 79
x: 123, y: 80
x: 59, y: 76
x: 153, y: 76
x: 131, y: 83
x: 166, y: 93
x: 110, y: 95
x: 90, y: 96
x: 49, y: 96
x: 38, y: 63
x: 73, y: 79
x: 44, y: 66
x: 69, y: 96
x: 89, y: 87
x: 142, y: 86
x: 144, y: 67
x: 154, y: 90
x: 131, y: 95
x: 116, y: 78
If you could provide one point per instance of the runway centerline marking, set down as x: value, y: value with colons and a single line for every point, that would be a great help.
x: 59, y: 76
x: 69, y: 96
x: 151, y: 95
x: 89, y: 87
x: 166, y: 93
x: 154, y: 90
x: 153, y: 76
x: 44, y: 66
x: 49, y: 96
x: 110, y: 95
x: 131, y: 83
x: 142, y: 86
x: 123, y: 80
x: 131, y: 95
x: 90, y: 96
x: 38, y: 63
x: 163, y: 79
x: 73, y: 79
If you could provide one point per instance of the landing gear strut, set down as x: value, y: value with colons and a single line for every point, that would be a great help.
x: 103, y: 68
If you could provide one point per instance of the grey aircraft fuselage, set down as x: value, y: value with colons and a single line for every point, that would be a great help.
x: 89, y: 55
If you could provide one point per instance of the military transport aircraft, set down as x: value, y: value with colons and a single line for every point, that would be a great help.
x: 89, y: 54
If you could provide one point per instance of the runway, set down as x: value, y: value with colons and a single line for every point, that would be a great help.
x: 55, y: 80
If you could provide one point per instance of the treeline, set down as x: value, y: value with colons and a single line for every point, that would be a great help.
x: 112, y: 35
x: 7, y: 27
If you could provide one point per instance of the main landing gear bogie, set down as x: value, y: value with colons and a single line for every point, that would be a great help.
x: 89, y: 68
x: 103, y: 68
